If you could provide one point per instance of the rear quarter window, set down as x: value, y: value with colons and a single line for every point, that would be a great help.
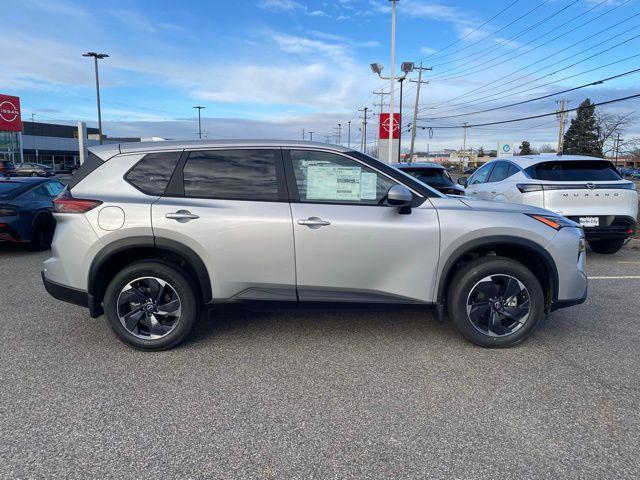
x: 151, y: 175
x: 90, y: 164
x: 573, y: 171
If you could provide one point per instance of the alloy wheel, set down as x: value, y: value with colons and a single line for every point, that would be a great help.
x: 498, y: 305
x: 149, y: 308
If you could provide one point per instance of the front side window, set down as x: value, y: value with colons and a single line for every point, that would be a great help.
x: 232, y: 174
x: 481, y: 175
x: 151, y: 175
x: 499, y: 172
x: 323, y: 177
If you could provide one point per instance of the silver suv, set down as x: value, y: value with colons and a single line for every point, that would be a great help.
x: 149, y: 234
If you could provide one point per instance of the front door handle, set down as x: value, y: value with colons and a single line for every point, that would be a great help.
x: 313, y: 222
x: 182, y: 216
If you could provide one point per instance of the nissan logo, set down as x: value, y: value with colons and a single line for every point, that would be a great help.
x: 591, y: 186
x: 8, y: 111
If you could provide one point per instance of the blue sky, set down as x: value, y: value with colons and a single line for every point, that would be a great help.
x: 268, y: 68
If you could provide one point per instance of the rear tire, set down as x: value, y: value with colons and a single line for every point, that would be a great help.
x: 495, y: 302
x: 42, y: 233
x: 606, y: 246
x: 33, y: 174
x: 150, y: 305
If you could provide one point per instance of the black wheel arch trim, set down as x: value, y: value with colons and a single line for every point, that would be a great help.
x: 124, y: 244
x: 497, y: 240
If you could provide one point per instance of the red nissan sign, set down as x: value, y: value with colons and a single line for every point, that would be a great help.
x: 384, y: 126
x: 10, y: 120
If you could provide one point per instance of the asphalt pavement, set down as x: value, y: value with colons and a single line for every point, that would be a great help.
x: 323, y: 394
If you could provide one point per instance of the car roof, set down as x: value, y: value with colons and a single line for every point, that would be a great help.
x: 425, y: 165
x: 107, y: 151
x: 25, y: 180
x: 525, y: 161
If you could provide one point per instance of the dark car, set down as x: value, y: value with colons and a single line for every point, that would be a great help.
x: 432, y: 174
x: 34, y: 170
x: 7, y: 168
x: 26, y: 206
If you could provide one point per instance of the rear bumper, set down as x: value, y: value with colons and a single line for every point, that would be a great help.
x: 611, y: 227
x: 72, y: 295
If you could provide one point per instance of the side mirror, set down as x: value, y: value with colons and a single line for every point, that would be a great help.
x: 462, y: 181
x: 400, y: 196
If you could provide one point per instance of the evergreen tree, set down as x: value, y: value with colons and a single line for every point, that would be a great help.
x: 481, y: 152
x: 525, y: 148
x: 582, y: 136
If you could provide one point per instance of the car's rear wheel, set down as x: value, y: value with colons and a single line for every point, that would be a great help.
x: 495, y: 302
x: 151, y: 305
x: 33, y: 174
x: 606, y: 246
x: 42, y: 232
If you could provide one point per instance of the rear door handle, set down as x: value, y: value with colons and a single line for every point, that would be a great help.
x: 313, y: 222
x: 182, y: 216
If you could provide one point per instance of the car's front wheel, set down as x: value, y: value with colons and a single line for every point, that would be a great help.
x: 495, y: 302
x: 151, y: 305
x: 606, y: 246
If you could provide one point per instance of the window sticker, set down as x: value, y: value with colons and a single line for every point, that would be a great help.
x: 329, y: 182
x: 368, y: 186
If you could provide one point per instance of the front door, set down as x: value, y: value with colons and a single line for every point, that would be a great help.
x: 349, y: 245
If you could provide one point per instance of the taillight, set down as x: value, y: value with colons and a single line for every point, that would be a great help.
x: 529, y: 187
x: 7, y: 212
x: 66, y: 203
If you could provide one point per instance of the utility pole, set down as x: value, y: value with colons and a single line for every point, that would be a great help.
x: 561, y: 115
x: 349, y: 135
x: 303, y: 139
x: 363, y: 139
x: 415, y: 109
x: 617, y: 149
x: 199, y: 122
x: 338, y: 130
x: 96, y: 57
x: 310, y: 136
x: 401, y: 80
x: 464, y: 140
x: 33, y: 117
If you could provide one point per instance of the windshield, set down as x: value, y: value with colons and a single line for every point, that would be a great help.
x: 574, y: 171
x: 431, y: 176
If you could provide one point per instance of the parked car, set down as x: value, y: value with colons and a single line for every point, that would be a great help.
x: 7, y: 168
x: 151, y: 233
x: 587, y: 190
x: 625, y: 172
x: 34, y: 170
x: 26, y: 207
x: 635, y: 174
x: 434, y: 175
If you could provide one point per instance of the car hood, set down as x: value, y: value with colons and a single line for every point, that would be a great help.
x: 492, y: 206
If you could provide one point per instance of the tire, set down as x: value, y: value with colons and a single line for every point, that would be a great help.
x: 468, y: 308
x: 33, y: 174
x: 41, y: 233
x: 606, y: 246
x: 170, y: 330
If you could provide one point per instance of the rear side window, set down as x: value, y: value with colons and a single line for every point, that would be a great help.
x: 499, y: 172
x: 481, y: 175
x: 151, y: 175
x: 232, y: 174
x: 90, y: 164
x: 573, y: 171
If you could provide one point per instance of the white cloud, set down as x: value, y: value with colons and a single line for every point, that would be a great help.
x: 317, y: 13
x: 284, y: 5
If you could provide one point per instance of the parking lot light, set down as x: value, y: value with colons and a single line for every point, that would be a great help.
x: 96, y: 57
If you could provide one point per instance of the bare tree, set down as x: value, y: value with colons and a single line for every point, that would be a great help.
x: 546, y: 148
x: 608, y: 126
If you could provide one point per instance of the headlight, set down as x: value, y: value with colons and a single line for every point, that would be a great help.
x: 553, y: 221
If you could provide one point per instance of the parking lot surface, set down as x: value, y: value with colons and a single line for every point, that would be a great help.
x: 324, y: 394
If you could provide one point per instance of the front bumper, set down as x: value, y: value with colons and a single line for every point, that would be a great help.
x: 570, y: 263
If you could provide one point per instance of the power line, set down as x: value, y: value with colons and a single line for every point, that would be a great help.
x: 597, y: 82
x: 615, y: 100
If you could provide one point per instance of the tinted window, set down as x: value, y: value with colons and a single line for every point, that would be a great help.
x: 481, y: 175
x: 8, y: 187
x: 327, y: 177
x: 53, y: 188
x: 499, y: 172
x: 574, y: 171
x: 232, y: 174
x: 153, y: 172
x: 512, y: 170
x: 435, y: 177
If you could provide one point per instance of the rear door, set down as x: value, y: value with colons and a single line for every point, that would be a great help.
x: 350, y: 246
x: 230, y: 206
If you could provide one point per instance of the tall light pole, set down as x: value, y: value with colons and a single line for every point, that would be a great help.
x: 349, y: 135
x: 310, y: 136
x: 96, y: 57
x: 392, y: 79
x: 199, y: 123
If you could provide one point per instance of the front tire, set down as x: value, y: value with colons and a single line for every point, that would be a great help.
x: 495, y: 302
x: 151, y: 305
x: 606, y: 246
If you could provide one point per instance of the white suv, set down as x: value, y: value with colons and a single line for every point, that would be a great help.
x: 588, y: 190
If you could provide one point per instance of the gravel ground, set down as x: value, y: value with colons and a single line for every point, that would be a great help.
x: 326, y: 394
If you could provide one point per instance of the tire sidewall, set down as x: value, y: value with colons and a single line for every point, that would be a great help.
x: 607, y: 247
x: 183, y: 287
x: 470, y: 275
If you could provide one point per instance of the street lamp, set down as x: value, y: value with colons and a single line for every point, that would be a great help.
x: 407, y: 68
x: 199, y: 124
x: 96, y: 57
